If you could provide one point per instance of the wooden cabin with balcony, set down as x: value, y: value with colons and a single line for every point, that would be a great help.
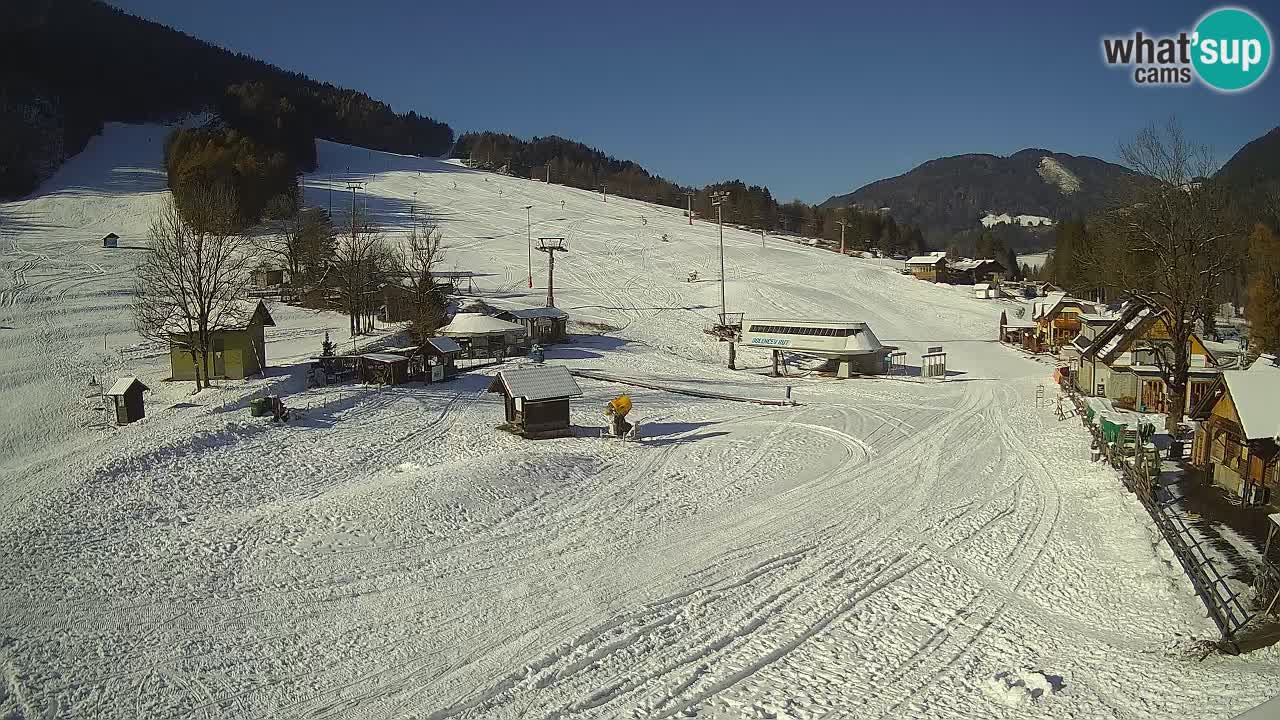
x: 1238, y: 444
x: 1058, y: 322
x: 932, y: 267
x: 1122, y: 362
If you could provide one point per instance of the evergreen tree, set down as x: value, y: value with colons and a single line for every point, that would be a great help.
x: 1263, y: 308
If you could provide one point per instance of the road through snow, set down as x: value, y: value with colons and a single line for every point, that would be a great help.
x: 889, y: 548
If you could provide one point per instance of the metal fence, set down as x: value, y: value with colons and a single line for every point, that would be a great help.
x: 1222, y: 602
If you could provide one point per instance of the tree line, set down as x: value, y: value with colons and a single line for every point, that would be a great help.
x: 68, y: 66
x: 577, y: 165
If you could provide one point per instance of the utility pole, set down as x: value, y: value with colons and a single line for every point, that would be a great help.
x: 843, y: 224
x: 717, y: 199
x: 358, y: 302
x: 353, y: 187
x: 551, y: 246
x: 689, y: 204
x: 529, y: 234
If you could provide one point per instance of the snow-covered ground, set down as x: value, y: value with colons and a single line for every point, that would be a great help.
x: 1034, y: 260
x: 888, y: 548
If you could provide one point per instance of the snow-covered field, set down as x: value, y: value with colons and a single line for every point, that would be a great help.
x: 1034, y: 260
x: 887, y: 548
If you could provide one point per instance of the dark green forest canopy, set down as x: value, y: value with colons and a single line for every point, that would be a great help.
x: 80, y: 63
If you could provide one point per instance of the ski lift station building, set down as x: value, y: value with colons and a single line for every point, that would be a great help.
x: 851, y: 344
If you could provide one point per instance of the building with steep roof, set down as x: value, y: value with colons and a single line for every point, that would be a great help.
x: 1237, y: 442
x: 238, y: 347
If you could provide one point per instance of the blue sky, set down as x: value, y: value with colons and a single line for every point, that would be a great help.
x: 811, y: 99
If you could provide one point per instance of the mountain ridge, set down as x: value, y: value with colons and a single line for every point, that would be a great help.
x: 948, y: 195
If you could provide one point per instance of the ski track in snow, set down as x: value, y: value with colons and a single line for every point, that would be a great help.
x: 890, y: 548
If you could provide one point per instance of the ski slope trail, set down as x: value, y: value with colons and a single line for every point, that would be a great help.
x: 888, y: 548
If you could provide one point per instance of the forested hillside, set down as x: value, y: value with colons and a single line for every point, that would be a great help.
x: 947, y: 196
x: 68, y: 66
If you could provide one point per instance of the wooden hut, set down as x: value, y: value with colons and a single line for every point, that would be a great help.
x: 238, y: 345
x: 383, y: 369
x: 111, y: 240
x: 928, y: 267
x: 537, y: 400
x: 442, y: 353
x: 968, y: 271
x: 544, y: 325
x: 126, y: 397
x: 267, y: 277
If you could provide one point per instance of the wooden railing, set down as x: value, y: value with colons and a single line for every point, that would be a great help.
x: 1139, y: 469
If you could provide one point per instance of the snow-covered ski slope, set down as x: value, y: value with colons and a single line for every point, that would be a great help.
x: 888, y: 548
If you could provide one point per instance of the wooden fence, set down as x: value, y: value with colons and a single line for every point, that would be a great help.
x: 1222, y: 602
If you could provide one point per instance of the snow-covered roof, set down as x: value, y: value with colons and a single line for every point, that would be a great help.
x: 383, y: 357
x: 535, y: 384
x: 982, y: 286
x: 926, y: 259
x: 1055, y: 300
x: 444, y: 344
x: 966, y: 264
x: 1254, y: 392
x: 122, y: 385
x: 476, y: 324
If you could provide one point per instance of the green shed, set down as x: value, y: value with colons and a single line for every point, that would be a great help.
x: 239, y: 347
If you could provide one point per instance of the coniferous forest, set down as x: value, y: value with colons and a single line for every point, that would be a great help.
x: 68, y: 66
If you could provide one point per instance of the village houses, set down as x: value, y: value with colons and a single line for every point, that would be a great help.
x: 1122, y: 362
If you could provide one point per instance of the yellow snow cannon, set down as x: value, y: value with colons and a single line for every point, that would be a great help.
x: 616, y: 411
x: 618, y: 407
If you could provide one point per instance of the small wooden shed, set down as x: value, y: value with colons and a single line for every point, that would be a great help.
x: 267, y: 277
x: 442, y: 353
x: 111, y: 240
x: 383, y: 369
x: 126, y: 397
x: 537, y: 400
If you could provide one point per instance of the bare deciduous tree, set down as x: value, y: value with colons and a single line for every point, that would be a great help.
x: 360, y: 263
x: 415, y: 261
x: 1171, y: 247
x: 194, y: 279
x: 300, y: 241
